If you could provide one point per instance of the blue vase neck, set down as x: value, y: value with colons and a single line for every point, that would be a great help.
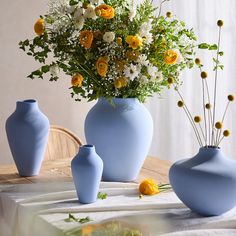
x: 209, y: 152
x: 87, y: 150
x: 26, y: 105
x: 119, y: 101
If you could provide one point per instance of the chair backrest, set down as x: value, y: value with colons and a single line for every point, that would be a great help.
x: 62, y: 143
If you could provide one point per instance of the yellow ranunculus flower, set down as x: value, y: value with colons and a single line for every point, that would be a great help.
x: 105, y: 11
x: 171, y: 57
x: 102, y: 66
x: 77, y: 80
x: 120, y: 82
x: 86, y: 38
x: 39, y: 27
x: 148, y: 187
x: 134, y: 41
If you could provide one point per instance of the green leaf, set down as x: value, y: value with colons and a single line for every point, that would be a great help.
x: 73, y: 2
x: 203, y: 46
x: 213, y: 47
x: 72, y: 218
x: 221, y: 53
x: 102, y: 195
x: 45, y: 68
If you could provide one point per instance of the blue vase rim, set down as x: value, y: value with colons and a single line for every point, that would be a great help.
x: 28, y: 101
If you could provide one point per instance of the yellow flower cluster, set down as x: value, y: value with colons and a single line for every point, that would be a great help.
x: 102, y: 66
x: 105, y: 11
x: 39, y: 27
x: 77, y: 80
x: 134, y: 41
x: 120, y: 83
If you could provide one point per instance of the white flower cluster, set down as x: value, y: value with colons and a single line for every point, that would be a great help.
x: 133, y: 71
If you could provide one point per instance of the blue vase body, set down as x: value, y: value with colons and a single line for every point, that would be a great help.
x: 122, y: 134
x: 87, y: 169
x: 27, y: 132
x: 205, y: 183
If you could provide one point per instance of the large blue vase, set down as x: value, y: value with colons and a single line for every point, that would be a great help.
x: 205, y: 183
x: 27, y: 132
x: 87, y: 169
x: 122, y: 133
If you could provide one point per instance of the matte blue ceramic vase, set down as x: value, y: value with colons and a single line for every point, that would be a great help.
x: 122, y: 134
x: 27, y: 132
x: 87, y: 169
x: 205, y: 183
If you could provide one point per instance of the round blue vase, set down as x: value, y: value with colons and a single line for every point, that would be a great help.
x: 205, y: 183
x: 87, y: 169
x: 122, y: 133
x: 27, y: 132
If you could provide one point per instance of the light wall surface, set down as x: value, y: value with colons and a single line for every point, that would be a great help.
x: 173, y: 137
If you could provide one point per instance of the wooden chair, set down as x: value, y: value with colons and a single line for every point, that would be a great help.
x: 62, y: 143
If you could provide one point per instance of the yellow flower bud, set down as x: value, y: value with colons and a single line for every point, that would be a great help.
x: 77, y: 80
x: 203, y: 75
x: 170, y: 80
x: 197, y: 119
x: 226, y: 133
x: 231, y: 98
x: 169, y: 14
x: 208, y: 106
x: 180, y: 103
x: 197, y: 61
x: 119, y: 41
x: 218, y: 125
x: 220, y: 23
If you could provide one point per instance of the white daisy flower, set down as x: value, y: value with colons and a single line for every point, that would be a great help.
x: 152, y: 70
x: 79, y: 24
x: 145, y: 28
x: 132, y: 9
x: 142, y: 59
x: 109, y: 37
x: 90, y: 13
x: 132, y: 71
x: 79, y: 13
x: 148, y: 38
x: 159, y: 77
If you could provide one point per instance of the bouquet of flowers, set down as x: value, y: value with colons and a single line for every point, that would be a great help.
x: 111, y: 48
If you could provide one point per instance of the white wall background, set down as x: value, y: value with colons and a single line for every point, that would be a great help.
x: 173, y: 137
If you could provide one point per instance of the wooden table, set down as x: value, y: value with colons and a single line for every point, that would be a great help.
x: 59, y: 170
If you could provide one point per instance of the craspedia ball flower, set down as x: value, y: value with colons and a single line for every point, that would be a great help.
x: 148, y: 187
x: 197, y: 119
x: 77, y: 80
x: 180, y: 103
x: 39, y: 27
x: 197, y: 61
x: 218, y: 125
x: 231, y: 98
x: 203, y: 74
x: 226, y: 133
x: 170, y: 80
x: 220, y: 23
x: 169, y: 14
x: 208, y: 106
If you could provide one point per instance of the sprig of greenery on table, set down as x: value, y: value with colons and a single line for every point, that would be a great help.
x: 102, y: 196
x: 72, y: 218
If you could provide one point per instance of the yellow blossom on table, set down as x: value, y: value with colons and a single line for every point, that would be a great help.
x: 39, y: 27
x: 148, y: 187
x: 86, y: 38
x: 102, y: 66
x: 134, y: 41
x: 77, y: 80
x: 171, y: 57
x: 105, y: 11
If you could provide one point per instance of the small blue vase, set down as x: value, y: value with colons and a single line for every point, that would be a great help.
x: 205, y: 183
x: 27, y: 132
x: 87, y: 169
x: 122, y: 133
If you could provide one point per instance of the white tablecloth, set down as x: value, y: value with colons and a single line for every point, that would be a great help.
x: 41, y: 209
